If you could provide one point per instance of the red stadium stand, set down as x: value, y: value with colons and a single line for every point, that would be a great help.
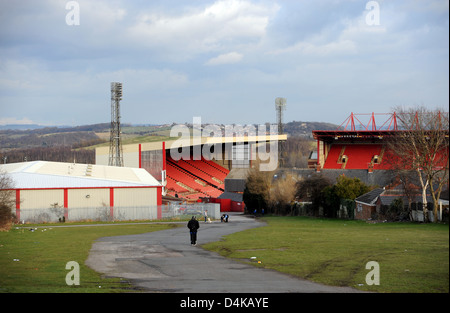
x: 358, y: 144
x: 353, y: 156
x: 333, y: 158
x: 360, y: 156
x: 219, y: 170
x: 191, y: 179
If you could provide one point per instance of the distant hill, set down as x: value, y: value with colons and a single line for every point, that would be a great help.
x: 55, y: 129
x: 51, y: 143
x: 21, y: 126
x: 22, y: 137
x: 304, y: 129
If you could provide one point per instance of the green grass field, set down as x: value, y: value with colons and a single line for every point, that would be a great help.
x: 36, y: 261
x: 412, y: 258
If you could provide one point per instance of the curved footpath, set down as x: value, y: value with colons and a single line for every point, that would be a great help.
x: 165, y: 261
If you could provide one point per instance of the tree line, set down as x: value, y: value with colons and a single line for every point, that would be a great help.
x: 22, y: 140
x: 269, y: 193
x: 296, y: 152
x: 55, y: 154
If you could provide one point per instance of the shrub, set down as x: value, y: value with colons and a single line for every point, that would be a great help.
x: 5, y: 217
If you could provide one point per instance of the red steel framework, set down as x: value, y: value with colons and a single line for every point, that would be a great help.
x: 354, y: 127
x: 389, y: 125
x: 363, y: 127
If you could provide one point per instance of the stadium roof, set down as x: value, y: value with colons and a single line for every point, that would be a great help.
x: 336, y: 134
x: 194, y: 141
x: 50, y: 175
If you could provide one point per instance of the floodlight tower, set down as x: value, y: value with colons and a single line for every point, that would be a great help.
x: 280, y: 106
x: 115, y: 142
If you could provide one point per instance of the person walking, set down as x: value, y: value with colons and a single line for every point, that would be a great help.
x: 193, y: 226
x: 206, y: 215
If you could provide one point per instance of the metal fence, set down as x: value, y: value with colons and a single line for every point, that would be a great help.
x: 103, y: 214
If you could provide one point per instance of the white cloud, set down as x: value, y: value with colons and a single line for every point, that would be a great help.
x: 204, y: 29
x: 319, y: 54
x: 227, y: 58
x: 345, y: 36
x: 309, y: 48
x: 47, y: 94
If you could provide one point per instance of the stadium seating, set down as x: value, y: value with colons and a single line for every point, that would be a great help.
x: 172, y: 185
x: 195, y: 170
x: 219, y: 170
x: 332, y: 161
x: 360, y: 156
x: 192, y: 179
x: 353, y: 156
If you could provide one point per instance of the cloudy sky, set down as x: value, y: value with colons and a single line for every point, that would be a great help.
x: 224, y: 61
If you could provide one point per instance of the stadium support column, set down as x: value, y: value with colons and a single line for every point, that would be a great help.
x: 159, y: 203
x: 320, y: 156
x: 140, y: 155
x: 18, y: 204
x: 111, y: 202
x: 66, y: 204
x: 164, y: 155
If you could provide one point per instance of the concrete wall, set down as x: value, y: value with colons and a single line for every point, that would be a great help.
x: 135, y: 197
x: 88, y: 198
x: 30, y: 199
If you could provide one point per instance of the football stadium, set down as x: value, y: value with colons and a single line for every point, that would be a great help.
x: 203, y: 169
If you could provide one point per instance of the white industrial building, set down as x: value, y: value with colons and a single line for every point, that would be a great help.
x: 83, y: 191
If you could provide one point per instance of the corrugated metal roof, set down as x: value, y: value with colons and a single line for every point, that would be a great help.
x: 43, y: 174
x: 192, y: 141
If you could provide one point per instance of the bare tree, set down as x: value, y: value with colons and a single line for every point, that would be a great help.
x: 282, y: 193
x: 421, y: 144
x: 257, y: 188
x: 6, y: 200
x: 409, y: 188
x: 297, y: 150
x: 6, y: 189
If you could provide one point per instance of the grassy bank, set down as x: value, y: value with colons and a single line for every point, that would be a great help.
x: 35, y: 261
x: 411, y: 257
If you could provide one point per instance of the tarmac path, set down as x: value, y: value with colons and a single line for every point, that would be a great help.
x: 165, y: 261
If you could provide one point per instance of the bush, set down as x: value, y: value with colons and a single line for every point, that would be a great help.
x: 257, y: 188
x: 7, y: 200
x: 396, y: 211
x: 5, y: 218
x: 312, y: 189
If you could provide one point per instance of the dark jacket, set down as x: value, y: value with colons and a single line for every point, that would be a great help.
x: 193, y: 224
